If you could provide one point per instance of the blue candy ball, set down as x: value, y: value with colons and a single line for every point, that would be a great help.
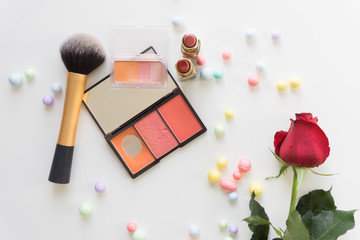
x: 16, y: 79
x: 206, y: 73
x: 233, y: 196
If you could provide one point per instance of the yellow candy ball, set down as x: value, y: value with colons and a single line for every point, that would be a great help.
x: 256, y: 188
x: 229, y: 113
x: 221, y: 162
x: 281, y: 85
x: 214, y: 175
x: 295, y: 82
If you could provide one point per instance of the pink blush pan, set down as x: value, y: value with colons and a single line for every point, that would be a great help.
x: 156, y: 134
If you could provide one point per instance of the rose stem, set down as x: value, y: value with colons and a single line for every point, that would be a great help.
x: 294, y: 192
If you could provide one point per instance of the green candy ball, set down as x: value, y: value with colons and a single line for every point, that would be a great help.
x: 139, y: 235
x: 30, y: 73
x: 219, y: 130
x: 218, y: 73
x: 85, y: 209
x: 223, y: 224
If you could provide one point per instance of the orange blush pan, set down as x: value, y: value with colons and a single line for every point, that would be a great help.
x: 132, y: 150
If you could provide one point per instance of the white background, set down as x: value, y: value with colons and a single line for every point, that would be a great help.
x: 320, y: 43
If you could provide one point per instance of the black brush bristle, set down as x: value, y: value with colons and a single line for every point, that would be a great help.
x: 82, y: 53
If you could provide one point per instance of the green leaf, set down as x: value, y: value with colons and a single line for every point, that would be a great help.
x: 277, y: 157
x: 316, y: 201
x: 300, y: 174
x: 296, y: 229
x: 256, y: 220
x: 260, y: 232
x: 278, y: 232
x: 278, y: 239
x: 329, y: 225
x: 282, y: 170
x: 323, y: 174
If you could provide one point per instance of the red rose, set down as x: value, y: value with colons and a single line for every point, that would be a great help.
x: 304, y: 145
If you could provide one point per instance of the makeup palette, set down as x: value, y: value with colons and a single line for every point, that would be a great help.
x: 142, y: 126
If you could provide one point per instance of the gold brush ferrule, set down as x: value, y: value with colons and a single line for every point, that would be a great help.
x: 73, y: 97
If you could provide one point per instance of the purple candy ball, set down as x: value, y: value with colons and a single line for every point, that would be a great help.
x: 233, y: 229
x: 48, y: 100
x: 276, y: 36
x: 100, y: 187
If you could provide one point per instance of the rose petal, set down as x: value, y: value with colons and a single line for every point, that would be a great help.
x: 278, y: 140
x: 305, y: 145
x: 306, y: 117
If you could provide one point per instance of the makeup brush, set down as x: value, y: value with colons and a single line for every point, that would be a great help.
x: 81, y: 54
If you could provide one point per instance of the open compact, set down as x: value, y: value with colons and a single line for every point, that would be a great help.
x: 142, y: 125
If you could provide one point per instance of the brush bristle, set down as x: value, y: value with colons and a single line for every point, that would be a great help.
x: 82, y: 53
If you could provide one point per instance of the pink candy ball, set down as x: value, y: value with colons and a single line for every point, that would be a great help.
x: 244, y: 165
x: 131, y: 227
x: 237, y: 175
x: 226, y: 54
x: 228, y: 185
x: 201, y: 60
x: 253, y: 80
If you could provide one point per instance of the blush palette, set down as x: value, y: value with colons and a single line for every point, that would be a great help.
x: 143, y: 126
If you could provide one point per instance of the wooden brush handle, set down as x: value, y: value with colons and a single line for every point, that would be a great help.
x: 61, y: 166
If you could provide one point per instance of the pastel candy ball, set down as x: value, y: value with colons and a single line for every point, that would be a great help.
x: 85, y: 209
x: 233, y: 229
x: 214, y: 175
x: 253, y: 80
x: 194, y: 231
x: 139, y: 235
x: 260, y: 66
x: 228, y: 238
x: 281, y: 85
x: 226, y: 55
x: 250, y: 34
x: 131, y: 227
x: 228, y: 185
x: 16, y: 79
x: 237, y: 175
x: 275, y: 35
x: 56, y: 88
x: 244, y: 165
x: 295, y: 82
x: 178, y: 21
x: 100, y: 187
x: 201, y: 60
x: 48, y: 100
x: 206, y: 73
x: 229, y: 113
x: 30, y: 73
x: 219, y: 130
x: 256, y: 188
x: 218, y: 73
x: 223, y: 224
x: 221, y: 162
x: 233, y: 196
